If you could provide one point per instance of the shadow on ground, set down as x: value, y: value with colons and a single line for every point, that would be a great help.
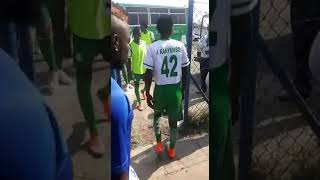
x: 147, y: 162
x: 75, y: 141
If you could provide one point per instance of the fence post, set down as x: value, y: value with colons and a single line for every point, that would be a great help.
x: 247, y: 100
x: 189, y: 50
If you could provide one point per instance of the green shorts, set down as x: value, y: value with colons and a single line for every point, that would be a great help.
x: 168, y: 98
x: 85, y: 50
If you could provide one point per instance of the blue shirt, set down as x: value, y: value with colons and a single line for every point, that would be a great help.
x: 121, y: 121
x: 31, y: 143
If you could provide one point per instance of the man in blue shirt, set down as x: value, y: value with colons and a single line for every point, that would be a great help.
x: 31, y: 144
x: 121, y: 111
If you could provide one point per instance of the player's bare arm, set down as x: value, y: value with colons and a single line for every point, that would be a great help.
x: 148, y: 81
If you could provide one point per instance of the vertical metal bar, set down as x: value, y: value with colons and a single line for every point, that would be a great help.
x: 247, y: 100
x: 212, y: 42
x: 189, y: 50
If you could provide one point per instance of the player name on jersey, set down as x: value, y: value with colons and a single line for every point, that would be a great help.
x: 168, y: 50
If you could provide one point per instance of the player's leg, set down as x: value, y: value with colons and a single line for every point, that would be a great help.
x: 125, y: 74
x: 220, y: 114
x: 45, y: 39
x: 137, y: 78
x: 104, y: 92
x: 143, y: 90
x: 239, y: 53
x: 204, y: 64
x: 144, y: 87
x: 84, y: 52
x: 159, y: 105
x: 58, y: 16
x: 174, y: 101
x: 25, y: 50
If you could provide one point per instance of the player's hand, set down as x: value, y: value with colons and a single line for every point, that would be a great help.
x: 150, y: 100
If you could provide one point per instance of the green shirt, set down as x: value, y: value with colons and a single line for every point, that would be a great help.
x: 89, y: 19
x: 147, y: 37
x: 138, y: 53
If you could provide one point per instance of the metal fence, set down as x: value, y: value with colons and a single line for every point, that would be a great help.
x: 197, y: 101
x: 285, y: 145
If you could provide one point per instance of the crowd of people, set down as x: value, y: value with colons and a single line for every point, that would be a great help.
x: 167, y: 62
x: 141, y: 58
x: 91, y: 35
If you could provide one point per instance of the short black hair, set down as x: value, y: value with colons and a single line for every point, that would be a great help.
x: 144, y: 24
x: 135, y: 30
x: 164, y: 24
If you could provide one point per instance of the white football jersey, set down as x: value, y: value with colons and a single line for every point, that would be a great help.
x: 166, y: 59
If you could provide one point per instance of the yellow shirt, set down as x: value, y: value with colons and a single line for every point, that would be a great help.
x: 147, y: 37
x: 138, y: 53
x: 89, y: 19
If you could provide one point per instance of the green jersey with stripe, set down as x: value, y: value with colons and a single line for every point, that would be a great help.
x: 166, y: 58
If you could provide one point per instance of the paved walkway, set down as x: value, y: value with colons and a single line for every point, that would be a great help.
x: 64, y: 103
x: 192, y: 160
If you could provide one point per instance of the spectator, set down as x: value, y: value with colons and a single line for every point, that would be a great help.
x: 90, y: 25
x: 16, y: 18
x: 138, y: 49
x: 146, y: 35
x: 314, y: 63
x: 204, y: 60
x: 121, y: 112
x: 33, y: 147
x: 305, y: 25
x: 50, y: 35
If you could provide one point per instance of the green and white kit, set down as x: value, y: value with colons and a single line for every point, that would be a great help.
x: 166, y: 58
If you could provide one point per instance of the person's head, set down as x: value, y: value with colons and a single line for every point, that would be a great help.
x: 144, y: 26
x: 164, y: 26
x: 136, y: 33
x: 120, y: 38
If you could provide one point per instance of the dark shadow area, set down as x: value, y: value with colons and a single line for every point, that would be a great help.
x: 42, y: 79
x: 76, y: 138
x: 45, y: 91
x: 150, y: 116
x: 147, y: 162
x: 273, y: 117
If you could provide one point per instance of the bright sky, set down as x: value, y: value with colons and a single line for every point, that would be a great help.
x: 201, y: 7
